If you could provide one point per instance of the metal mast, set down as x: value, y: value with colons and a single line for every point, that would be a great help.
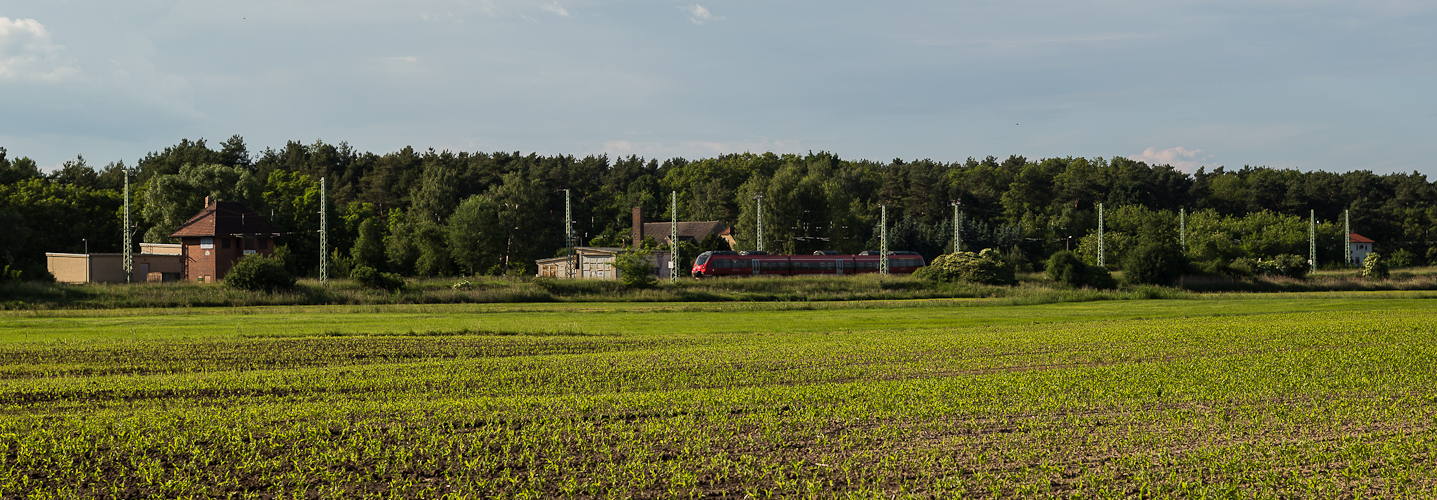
x: 674, y: 237
x: 1100, y: 234
x: 957, y: 226
x: 323, y: 232
x: 759, y: 197
x: 1312, y: 239
x: 129, y: 263
x: 1183, y: 227
x: 1347, y: 236
x: 883, y: 241
x: 568, y: 234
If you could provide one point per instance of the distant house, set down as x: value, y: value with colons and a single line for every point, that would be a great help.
x: 156, y: 262
x: 219, y: 235
x: 1361, y: 247
x: 597, y: 263
x: 692, y: 232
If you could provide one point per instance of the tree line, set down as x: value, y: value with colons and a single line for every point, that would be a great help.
x: 436, y: 213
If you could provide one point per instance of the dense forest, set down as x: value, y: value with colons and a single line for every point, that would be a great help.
x: 436, y: 213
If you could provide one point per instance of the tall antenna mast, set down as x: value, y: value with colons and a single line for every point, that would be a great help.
x: 883, y: 241
x: 1183, y: 227
x: 323, y: 232
x: 759, y: 197
x: 1312, y: 239
x: 674, y: 237
x: 957, y: 226
x: 129, y: 263
x: 1347, y: 236
x: 1100, y: 234
x: 569, y: 234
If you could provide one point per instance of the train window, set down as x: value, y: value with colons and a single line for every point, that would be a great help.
x: 701, y: 260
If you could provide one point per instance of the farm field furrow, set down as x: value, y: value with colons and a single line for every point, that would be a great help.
x: 1218, y: 396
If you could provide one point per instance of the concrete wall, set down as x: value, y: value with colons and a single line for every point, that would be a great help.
x: 598, y: 264
x: 109, y: 267
x: 83, y: 268
x: 161, y: 248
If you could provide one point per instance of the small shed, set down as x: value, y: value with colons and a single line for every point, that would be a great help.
x: 597, y: 263
x: 1361, y: 247
x: 219, y: 235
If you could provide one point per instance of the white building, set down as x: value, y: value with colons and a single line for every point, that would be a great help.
x: 597, y: 263
x: 1361, y: 246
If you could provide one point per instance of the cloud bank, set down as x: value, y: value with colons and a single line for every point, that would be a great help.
x: 556, y: 9
x: 1186, y: 160
x: 27, y: 52
x: 700, y: 15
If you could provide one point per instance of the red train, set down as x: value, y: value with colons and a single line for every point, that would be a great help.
x: 710, y: 264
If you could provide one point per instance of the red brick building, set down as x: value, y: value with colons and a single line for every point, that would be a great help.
x: 217, y: 237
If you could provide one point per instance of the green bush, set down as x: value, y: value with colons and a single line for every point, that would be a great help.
x: 259, y: 273
x: 1065, y: 267
x: 8, y: 275
x: 368, y: 277
x: 635, y: 269
x: 1222, y: 267
x: 1289, y: 265
x: 987, y: 267
x: 1375, y: 267
x: 1402, y: 258
x: 1154, y: 264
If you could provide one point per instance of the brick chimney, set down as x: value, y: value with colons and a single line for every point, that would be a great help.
x: 638, y: 226
x: 207, y: 202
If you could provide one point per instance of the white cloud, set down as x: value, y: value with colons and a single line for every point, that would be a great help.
x: 699, y: 15
x: 556, y: 9
x: 1186, y: 160
x: 699, y: 148
x: 28, y: 53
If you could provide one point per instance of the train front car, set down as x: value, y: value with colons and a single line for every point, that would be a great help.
x: 716, y: 263
x: 904, y: 262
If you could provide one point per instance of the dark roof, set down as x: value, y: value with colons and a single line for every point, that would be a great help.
x: 687, y: 230
x: 225, y: 218
x: 1357, y: 238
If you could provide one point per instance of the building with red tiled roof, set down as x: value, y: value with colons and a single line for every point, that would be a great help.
x: 1361, y: 246
x: 217, y: 237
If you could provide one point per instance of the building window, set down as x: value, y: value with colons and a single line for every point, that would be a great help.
x: 263, y: 243
x: 207, y: 242
x: 225, y: 243
x: 249, y: 243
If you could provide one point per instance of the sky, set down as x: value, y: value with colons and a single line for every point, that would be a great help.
x: 1310, y: 84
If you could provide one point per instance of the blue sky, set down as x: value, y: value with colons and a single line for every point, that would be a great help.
x: 1311, y: 85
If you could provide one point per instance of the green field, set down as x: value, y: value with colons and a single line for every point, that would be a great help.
x: 1275, y: 395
